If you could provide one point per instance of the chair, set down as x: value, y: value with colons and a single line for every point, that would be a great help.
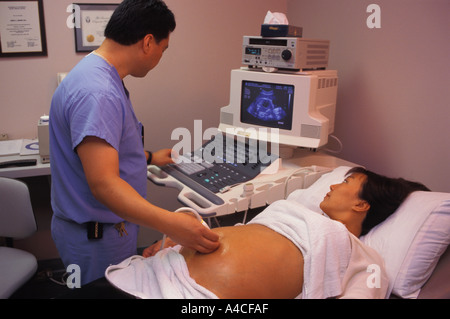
x: 16, y: 221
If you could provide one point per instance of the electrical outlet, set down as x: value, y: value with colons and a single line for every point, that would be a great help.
x: 3, y: 137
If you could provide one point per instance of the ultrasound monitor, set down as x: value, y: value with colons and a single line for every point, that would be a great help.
x: 291, y: 109
x: 267, y: 104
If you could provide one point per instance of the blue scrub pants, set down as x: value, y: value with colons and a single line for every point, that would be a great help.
x: 93, y: 256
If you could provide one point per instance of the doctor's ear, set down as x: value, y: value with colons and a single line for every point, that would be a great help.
x: 148, y: 41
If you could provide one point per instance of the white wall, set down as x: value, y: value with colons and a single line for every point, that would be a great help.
x: 394, y: 99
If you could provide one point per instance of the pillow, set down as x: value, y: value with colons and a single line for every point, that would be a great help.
x: 411, y: 240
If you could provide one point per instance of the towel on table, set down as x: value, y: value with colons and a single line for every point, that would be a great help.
x: 335, y: 262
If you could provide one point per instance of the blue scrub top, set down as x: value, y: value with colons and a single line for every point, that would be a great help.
x: 92, y: 101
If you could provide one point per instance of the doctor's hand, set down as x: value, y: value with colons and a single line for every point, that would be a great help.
x: 163, y: 157
x: 186, y: 230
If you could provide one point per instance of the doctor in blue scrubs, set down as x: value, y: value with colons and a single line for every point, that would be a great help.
x: 98, y: 163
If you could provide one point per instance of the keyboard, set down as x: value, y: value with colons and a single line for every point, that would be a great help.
x: 220, y: 163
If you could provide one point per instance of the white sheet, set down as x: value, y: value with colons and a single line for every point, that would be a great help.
x: 335, y: 261
x: 325, y: 245
x: 331, y: 258
x: 163, y: 276
x: 365, y: 277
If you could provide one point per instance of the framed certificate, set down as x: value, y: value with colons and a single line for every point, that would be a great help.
x: 22, y: 28
x: 93, y: 18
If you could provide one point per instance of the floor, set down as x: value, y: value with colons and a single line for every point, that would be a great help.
x: 49, y: 281
x: 46, y: 284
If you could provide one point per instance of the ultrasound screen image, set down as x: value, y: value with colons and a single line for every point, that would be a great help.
x: 267, y: 104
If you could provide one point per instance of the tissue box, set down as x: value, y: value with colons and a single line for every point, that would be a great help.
x: 281, y: 30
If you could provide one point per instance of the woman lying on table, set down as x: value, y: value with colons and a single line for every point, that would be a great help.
x: 287, y: 251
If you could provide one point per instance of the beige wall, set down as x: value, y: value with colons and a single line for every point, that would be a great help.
x: 394, y: 99
x: 191, y: 82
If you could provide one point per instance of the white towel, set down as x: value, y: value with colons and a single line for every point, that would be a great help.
x: 336, y: 263
x: 163, y: 276
x: 324, y: 243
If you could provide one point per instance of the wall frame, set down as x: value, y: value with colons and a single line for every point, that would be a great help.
x: 22, y: 28
x: 91, y: 24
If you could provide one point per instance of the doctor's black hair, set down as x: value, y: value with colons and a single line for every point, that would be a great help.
x: 384, y: 195
x: 134, y: 19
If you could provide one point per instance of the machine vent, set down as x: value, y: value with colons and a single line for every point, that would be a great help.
x: 317, y: 55
x: 327, y: 83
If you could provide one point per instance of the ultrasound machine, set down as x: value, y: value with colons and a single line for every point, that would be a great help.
x: 278, y: 116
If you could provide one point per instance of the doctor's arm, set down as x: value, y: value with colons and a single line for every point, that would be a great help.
x: 101, y: 166
x: 161, y: 157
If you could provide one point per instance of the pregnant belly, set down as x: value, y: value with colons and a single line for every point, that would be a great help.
x: 253, y: 261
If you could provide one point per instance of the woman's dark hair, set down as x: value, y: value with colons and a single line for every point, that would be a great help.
x: 134, y: 19
x: 384, y: 195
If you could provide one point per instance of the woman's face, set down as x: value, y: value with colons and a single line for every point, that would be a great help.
x: 342, y: 197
